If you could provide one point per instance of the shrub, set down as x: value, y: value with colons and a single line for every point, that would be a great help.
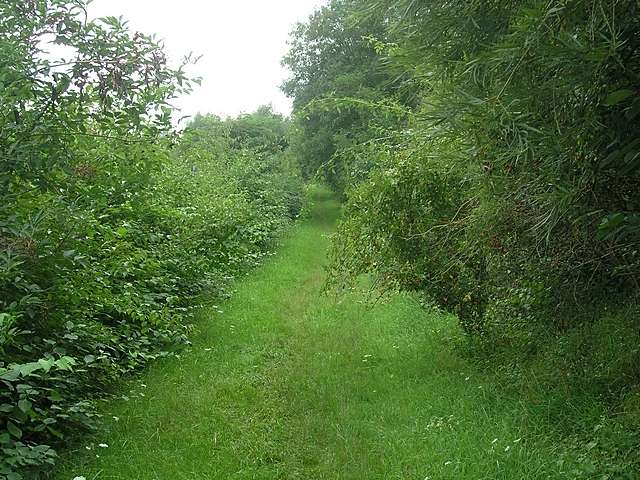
x: 112, y: 226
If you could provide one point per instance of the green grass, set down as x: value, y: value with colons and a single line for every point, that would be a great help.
x: 290, y: 384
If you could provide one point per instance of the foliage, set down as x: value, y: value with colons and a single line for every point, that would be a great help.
x: 507, y: 192
x: 332, y: 56
x: 380, y: 385
x: 504, y: 187
x: 111, y: 225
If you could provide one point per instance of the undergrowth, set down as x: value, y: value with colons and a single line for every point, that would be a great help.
x: 112, y: 224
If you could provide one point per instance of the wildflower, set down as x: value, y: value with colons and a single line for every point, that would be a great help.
x: 103, y: 445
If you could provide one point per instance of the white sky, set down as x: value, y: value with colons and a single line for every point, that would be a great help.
x: 242, y: 43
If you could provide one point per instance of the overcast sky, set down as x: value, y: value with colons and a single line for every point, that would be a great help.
x: 242, y: 43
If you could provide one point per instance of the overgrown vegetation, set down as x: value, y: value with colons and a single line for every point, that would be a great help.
x: 489, y: 157
x: 315, y: 386
x: 111, y: 224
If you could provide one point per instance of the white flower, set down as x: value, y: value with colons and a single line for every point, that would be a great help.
x: 79, y: 478
x: 103, y: 445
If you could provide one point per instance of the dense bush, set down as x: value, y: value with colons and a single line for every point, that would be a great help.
x: 111, y: 225
x: 504, y: 185
x: 506, y: 188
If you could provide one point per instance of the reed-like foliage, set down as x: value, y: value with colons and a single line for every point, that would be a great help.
x: 498, y: 169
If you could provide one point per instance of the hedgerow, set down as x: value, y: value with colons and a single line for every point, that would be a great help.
x: 494, y: 170
x: 495, y: 167
x: 112, y: 226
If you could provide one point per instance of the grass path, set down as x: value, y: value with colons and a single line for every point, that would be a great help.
x: 290, y: 384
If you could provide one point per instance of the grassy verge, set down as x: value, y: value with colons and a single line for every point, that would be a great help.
x: 286, y: 383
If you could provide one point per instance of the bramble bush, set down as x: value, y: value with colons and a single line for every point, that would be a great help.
x: 112, y: 226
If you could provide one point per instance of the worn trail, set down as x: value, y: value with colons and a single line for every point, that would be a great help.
x: 288, y: 383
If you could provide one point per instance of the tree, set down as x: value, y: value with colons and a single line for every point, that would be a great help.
x: 332, y: 56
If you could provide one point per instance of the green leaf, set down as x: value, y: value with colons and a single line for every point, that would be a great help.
x: 65, y: 363
x: 25, y: 405
x: 46, y: 363
x: 28, y: 368
x: 55, y: 396
x: 609, y: 225
x: 55, y: 432
x: 14, y: 430
x: 618, y: 96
